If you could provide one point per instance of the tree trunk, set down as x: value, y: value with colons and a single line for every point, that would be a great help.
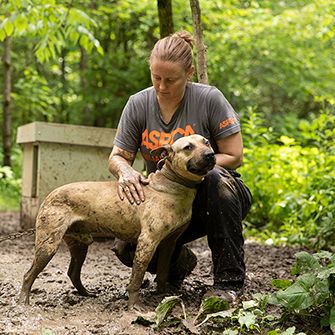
x: 64, y: 113
x: 7, y: 120
x: 165, y: 17
x: 86, y: 119
x: 199, y: 42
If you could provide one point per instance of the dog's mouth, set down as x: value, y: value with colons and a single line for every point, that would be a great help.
x: 201, y: 168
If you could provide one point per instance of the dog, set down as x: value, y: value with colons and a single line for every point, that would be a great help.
x: 78, y: 212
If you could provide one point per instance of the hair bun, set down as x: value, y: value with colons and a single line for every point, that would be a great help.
x: 186, y: 36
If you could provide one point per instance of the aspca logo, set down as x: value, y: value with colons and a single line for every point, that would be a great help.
x: 155, y: 138
x: 227, y: 122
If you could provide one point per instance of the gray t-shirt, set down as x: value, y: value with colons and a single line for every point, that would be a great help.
x: 204, y: 110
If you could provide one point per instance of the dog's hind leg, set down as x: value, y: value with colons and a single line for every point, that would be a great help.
x: 43, y: 254
x: 78, y: 251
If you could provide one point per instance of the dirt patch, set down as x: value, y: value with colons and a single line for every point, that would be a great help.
x: 56, y: 308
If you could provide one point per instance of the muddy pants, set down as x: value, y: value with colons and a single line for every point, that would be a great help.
x: 221, y: 203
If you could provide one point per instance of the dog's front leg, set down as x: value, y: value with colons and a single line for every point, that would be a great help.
x: 145, y: 250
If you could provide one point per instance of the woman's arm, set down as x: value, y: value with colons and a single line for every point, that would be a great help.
x: 230, y: 151
x: 130, y: 181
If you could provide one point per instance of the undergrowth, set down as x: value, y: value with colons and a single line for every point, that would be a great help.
x: 305, y: 305
x: 292, y: 181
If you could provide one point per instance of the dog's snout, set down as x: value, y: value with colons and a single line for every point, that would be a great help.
x: 209, y: 156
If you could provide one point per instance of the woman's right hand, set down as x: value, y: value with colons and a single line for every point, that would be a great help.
x: 131, y: 185
x: 130, y: 181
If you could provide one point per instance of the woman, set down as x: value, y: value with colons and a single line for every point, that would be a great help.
x: 172, y: 108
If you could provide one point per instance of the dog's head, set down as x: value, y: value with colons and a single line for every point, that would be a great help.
x: 190, y: 157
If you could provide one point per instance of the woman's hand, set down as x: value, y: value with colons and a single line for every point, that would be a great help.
x: 130, y: 185
x: 130, y: 181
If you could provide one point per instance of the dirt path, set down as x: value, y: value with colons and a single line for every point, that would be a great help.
x: 57, y: 309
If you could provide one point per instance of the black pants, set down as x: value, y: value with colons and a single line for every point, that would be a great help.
x: 222, y: 202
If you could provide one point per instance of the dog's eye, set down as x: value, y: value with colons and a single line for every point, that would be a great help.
x: 206, y: 143
x: 188, y: 147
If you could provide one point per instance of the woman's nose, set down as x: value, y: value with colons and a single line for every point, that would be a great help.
x: 162, y: 85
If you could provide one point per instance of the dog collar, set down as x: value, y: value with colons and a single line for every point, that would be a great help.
x: 173, y: 176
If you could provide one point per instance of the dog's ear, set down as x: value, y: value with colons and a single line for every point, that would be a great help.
x: 163, y: 153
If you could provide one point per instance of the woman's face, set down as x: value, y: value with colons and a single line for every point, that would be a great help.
x: 169, y: 79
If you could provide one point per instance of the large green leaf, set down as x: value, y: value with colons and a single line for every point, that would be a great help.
x: 165, y: 307
x: 304, y: 263
x: 211, y: 305
x: 296, y: 297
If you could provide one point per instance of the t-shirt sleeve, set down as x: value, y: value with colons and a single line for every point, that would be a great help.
x: 129, y: 130
x: 223, y: 120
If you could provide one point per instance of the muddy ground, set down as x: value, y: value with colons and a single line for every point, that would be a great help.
x: 56, y: 308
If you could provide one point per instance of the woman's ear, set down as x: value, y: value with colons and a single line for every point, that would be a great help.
x: 190, y: 73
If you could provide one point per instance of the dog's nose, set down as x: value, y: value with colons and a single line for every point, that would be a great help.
x: 210, y: 156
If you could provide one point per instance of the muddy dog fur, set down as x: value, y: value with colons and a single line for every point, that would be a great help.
x: 78, y: 212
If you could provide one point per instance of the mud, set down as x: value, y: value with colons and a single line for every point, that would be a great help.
x: 56, y: 308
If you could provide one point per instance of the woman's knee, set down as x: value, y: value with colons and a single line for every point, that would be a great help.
x: 220, y: 184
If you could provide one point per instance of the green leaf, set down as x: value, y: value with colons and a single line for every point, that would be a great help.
x: 100, y: 50
x: 326, y: 273
x: 8, y: 27
x: 281, y: 284
x: 84, y: 41
x: 249, y: 304
x: 287, y: 140
x: 74, y: 36
x: 247, y: 319
x: 21, y: 23
x: 273, y: 332
x: 165, y: 307
x: 323, y: 254
x: 223, y: 314
x: 304, y: 263
x: 296, y: 297
x: 2, y: 35
x: 211, y: 305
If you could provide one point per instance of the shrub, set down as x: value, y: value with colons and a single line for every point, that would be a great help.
x: 312, y: 294
x: 293, y: 184
x: 10, y: 183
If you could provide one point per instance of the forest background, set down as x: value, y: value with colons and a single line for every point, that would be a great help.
x: 77, y: 62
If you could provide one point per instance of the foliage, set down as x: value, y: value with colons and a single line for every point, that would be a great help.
x: 311, y: 297
x: 274, y: 56
x: 271, y: 54
x: 313, y: 292
x: 293, y: 185
x: 10, y: 189
x: 250, y: 318
x: 53, y: 24
x: 10, y: 183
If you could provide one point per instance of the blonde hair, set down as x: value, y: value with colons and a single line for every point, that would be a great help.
x: 176, y: 48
